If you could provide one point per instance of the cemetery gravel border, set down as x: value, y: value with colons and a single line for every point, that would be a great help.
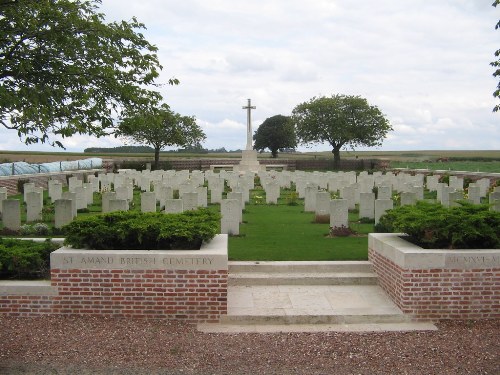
x: 92, y: 345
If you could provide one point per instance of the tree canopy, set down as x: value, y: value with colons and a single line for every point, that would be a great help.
x: 65, y: 71
x: 160, y: 127
x: 341, y: 121
x: 496, y: 64
x: 275, y: 133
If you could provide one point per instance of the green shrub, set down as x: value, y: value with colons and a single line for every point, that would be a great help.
x: 432, y: 225
x: 41, y: 229
x: 22, y: 259
x: 26, y: 229
x: 136, y: 230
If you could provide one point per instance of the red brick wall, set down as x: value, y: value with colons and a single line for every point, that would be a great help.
x: 193, y: 296
x: 15, y: 305
x: 432, y: 294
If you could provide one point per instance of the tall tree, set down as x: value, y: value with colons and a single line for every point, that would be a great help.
x: 64, y: 71
x: 341, y: 121
x: 160, y: 127
x: 275, y: 133
x: 496, y: 64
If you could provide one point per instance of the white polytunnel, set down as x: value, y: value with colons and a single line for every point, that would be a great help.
x: 21, y: 167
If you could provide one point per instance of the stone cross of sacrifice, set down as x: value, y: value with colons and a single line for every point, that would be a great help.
x: 249, y: 108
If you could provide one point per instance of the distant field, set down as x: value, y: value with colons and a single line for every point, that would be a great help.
x: 470, y: 166
x: 489, y: 159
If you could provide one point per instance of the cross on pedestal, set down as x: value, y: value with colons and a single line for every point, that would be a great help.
x: 249, y: 108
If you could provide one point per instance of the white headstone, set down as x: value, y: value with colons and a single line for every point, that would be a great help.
x: 230, y: 212
x: 55, y: 189
x: 310, y: 197
x: 63, y: 212
x: 381, y: 206
x: 72, y: 197
x: 408, y: 198
x: 3, y: 196
x: 81, y: 197
x: 28, y: 187
x: 11, y: 214
x: 118, y: 205
x: 322, y: 203
x: 148, y: 201
x: 367, y: 205
x: 272, y: 192
x: 474, y: 193
x: 239, y: 197
x: 202, y: 192
x: 454, y: 197
x: 173, y: 206
x: 216, y: 194
x: 190, y: 201
x: 339, y: 213
x: 33, y: 207
x: 106, y: 197
x: 493, y: 199
x: 74, y: 182
x: 348, y: 193
x: 384, y: 192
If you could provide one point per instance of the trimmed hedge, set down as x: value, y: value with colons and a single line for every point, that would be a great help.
x: 433, y: 226
x: 24, y: 259
x: 143, y: 231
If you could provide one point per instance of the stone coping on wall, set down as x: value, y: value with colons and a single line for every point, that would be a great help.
x: 27, y: 288
x: 211, y: 256
x: 409, y: 256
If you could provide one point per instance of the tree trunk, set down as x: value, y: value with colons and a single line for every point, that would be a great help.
x: 157, y: 157
x: 274, y: 154
x: 336, y: 158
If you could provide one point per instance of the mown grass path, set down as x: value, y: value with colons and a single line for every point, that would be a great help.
x: 282, y: 232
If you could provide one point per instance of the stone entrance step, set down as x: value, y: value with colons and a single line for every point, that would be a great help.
x: 308, y: 297
x: 315, y: 319
x: 301, y: 273
x: 314, y: 328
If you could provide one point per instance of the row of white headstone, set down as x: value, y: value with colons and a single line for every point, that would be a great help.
x: 315, y: 187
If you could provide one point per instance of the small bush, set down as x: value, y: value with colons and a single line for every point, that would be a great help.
x: 341, y: 231
x: 432, y: 225
x: 22, y: 259
x: 41, y: 229
x: 292, y: 198
x: 26, y: 229
x: 143, y: 231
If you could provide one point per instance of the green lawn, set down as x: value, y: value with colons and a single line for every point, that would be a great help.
x: 283, y: 232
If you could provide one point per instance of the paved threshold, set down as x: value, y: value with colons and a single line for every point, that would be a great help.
x: 312, y: 308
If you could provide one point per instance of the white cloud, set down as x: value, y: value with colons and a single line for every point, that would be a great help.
x: 425, y: 64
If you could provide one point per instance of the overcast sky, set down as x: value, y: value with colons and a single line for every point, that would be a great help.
x: 424, y: 63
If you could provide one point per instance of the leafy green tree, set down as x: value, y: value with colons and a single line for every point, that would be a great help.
x: 64, y: 71
x: 276, y: 133
x: 160, y: 127
x: 341, y: 121
x: 496, y: 64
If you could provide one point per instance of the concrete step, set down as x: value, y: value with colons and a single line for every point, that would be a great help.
x: 301, y: 273
x: 296, y: 278
x: 308, y: 297
x: 375, y: 318
x: 300, y: 266
x: 351, y: 327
